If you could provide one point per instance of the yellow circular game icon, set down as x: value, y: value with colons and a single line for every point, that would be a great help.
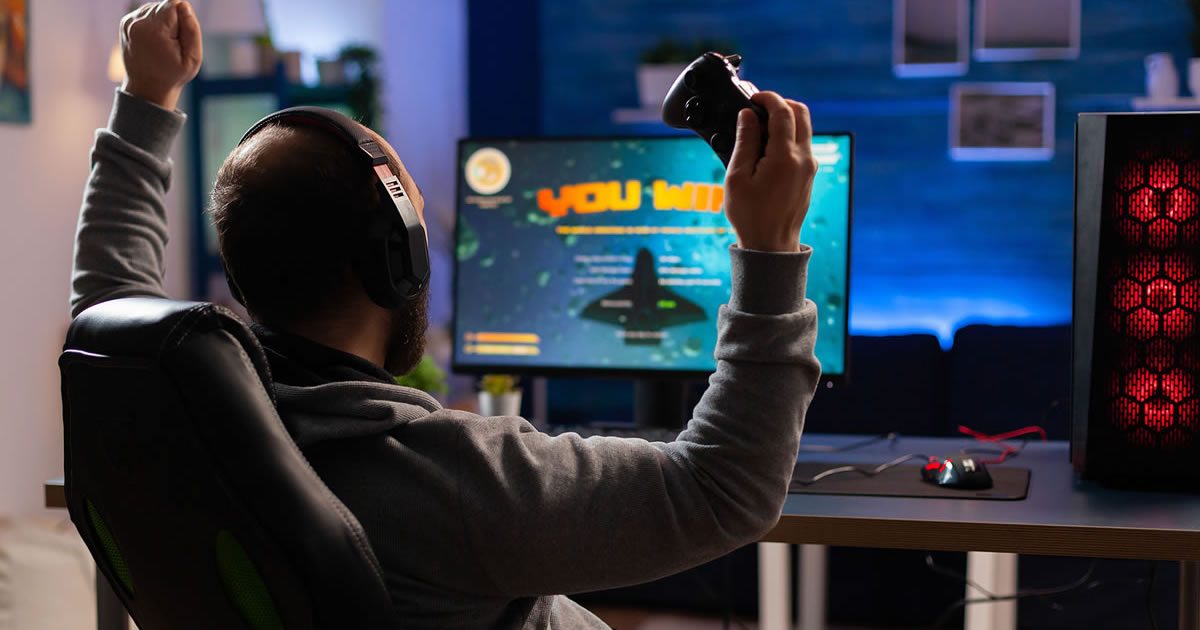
x: 488, y: 171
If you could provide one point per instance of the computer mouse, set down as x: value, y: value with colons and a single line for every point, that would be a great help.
x: 957, y: 471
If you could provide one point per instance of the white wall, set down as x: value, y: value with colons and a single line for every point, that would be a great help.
x: 43, y: 167
x: 320, y: 28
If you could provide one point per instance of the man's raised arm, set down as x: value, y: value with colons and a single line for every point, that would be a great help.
x: 120, y: 243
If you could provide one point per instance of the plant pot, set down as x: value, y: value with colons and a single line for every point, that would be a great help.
x: 1162, y: 79
x: 331, y: 71
x: 508, y: 404
x: 267, y: 59
x: 654, y: 81
x: 291, y: 65
x: 1193, y: 76
x: 243, y: 58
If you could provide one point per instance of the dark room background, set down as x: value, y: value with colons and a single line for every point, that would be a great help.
x: 937, y: 244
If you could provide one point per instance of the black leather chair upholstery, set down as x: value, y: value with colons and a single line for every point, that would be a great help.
x: 191, y: 496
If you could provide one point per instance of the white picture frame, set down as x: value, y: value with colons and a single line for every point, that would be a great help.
x: 1002, y: 121
x: 931, y: 38
x: 1025, y: 30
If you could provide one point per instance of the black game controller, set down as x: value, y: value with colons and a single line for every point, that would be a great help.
x: 707, y: 97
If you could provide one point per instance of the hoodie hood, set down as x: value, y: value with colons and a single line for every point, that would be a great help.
x: 344, y: 410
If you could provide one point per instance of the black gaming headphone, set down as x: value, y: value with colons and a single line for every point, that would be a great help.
x: 393, y: 263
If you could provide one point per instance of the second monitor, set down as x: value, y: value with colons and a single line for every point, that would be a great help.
x: 609, y: 256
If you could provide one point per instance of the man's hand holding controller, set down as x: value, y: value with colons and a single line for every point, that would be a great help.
x: 766, y: 199
x: 162, y: 51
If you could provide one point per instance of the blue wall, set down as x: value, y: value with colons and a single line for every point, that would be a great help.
x: 937, y: 244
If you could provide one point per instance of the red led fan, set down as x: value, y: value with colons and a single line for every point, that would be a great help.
x: 1137, y: 299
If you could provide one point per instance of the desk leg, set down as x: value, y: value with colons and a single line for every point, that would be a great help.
x: 774, y: 589
x: 997, y: 572
x: 810, y: 592
x: 1189, y: 595
x: 110, y: 612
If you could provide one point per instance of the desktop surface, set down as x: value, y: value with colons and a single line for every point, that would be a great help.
x: 1060, y: 516
x: 609, y: 255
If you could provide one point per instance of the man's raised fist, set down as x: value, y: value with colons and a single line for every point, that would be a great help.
x: 160, y: 44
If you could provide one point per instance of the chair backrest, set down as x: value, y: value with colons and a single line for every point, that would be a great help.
x: 180, y: 477
x: 896, y: 383
x: 1008, y: 377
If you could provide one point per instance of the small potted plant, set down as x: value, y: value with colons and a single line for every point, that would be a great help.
x: 664, y: 62
x: 499, y: 395
x: 267, y: 57
x: 427, y: 377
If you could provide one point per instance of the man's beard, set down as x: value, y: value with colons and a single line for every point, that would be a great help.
x: 407, y: 345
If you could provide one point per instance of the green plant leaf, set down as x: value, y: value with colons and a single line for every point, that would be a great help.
x: 426, y: 376
x: 498, y: 384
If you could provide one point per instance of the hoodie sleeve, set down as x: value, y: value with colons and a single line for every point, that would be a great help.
x: 121, y: 238
x: 547, y: 515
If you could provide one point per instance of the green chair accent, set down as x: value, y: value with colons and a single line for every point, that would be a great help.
x: 173, y: 448
x: 244, y: 584
x: 112, y: 553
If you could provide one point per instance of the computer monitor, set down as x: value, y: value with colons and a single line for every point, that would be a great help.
x: 608, y: 256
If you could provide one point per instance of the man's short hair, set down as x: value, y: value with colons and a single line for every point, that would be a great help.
x: 290, y: 207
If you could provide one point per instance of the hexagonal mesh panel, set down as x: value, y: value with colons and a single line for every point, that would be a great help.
x: 1149, y: 294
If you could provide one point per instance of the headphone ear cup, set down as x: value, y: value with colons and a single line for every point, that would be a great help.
x: 392, y: 271
x: 374, y: 268
x: 399, y: 266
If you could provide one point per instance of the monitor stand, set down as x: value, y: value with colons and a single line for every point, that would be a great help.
x: 663, y: 403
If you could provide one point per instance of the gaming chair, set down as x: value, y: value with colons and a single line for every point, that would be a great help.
x: 197, y: 506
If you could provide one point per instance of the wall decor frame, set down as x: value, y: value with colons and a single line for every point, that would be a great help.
x: 1024, y: 30
x: 1002, y: 121
x: 931, y: 38
x: 15, y: 76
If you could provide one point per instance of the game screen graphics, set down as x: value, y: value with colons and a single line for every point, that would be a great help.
x: 611, y: 255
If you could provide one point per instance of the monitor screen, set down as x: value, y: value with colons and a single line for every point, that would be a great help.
x: 609, y: 255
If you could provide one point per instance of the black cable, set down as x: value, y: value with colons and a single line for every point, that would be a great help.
x: 819, y: 448
x: 1149, y: 592
x: 869, y: 472
x: 937, y: 568
x: 1083, y: 581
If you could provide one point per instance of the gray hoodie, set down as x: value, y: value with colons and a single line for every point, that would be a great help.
x: 484, y: 522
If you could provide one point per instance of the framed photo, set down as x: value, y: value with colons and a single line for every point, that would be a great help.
x: 930, y: 38
x: 1002, y: 121
x: 14, y: 62
x: 1021, y: 30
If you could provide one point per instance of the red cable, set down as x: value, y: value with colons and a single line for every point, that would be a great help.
x: 1002, y: 436
x: 999, y: 439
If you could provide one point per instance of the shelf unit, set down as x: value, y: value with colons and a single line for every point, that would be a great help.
x: 273, y: 92
x: 1144, y: 104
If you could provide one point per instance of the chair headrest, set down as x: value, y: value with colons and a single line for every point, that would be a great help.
x: 145, y: 327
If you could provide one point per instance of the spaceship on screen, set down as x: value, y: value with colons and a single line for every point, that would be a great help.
x: 643, y: 308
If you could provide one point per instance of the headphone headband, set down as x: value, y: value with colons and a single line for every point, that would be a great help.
x: 333, y: 121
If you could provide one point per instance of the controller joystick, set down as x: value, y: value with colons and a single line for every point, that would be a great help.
x: 706, y: 98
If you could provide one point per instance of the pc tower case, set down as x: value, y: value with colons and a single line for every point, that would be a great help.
x: 1136, y: 319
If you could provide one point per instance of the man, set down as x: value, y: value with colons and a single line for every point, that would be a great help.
x: 477, y: 522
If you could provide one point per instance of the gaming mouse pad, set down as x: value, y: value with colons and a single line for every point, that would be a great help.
x: 1008, y: 483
